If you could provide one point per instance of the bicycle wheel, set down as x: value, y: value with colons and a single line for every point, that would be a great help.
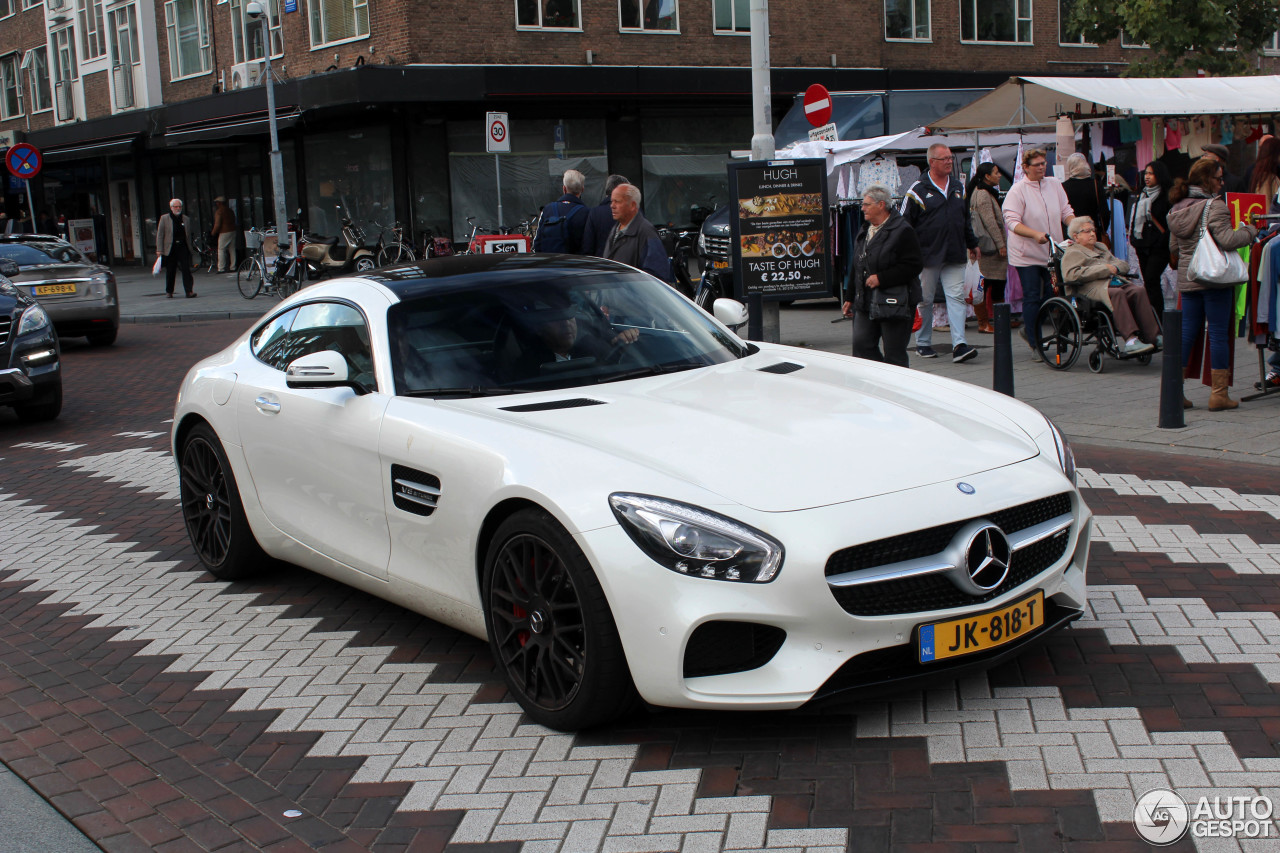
x: 249, y: 277
x: 394, y: 253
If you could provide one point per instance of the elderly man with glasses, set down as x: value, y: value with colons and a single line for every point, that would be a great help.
x: 935, y: 207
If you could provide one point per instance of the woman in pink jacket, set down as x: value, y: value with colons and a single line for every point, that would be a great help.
x: 1036, y: 209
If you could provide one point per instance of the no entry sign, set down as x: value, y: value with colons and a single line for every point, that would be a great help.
x: 497, y: 138
x: 817, y: 105
x: 23, y: 161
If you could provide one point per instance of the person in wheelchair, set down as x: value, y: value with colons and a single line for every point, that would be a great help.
x: 1090, y: 270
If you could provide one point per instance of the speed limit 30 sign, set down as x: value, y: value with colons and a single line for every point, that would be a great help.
x: 497, y: 136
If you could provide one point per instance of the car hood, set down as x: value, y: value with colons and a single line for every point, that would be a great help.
x: 836, y: 430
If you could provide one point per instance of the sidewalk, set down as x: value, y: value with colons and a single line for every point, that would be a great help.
x: 1119, y: 407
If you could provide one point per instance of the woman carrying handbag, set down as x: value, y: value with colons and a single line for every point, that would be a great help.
x: 987, y: 223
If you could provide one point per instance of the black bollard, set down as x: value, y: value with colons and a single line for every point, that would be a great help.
x: 1002, y: 363
x: 755, y: 317
x: 1171, y: 416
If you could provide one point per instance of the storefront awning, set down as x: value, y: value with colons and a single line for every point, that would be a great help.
x: 246, y: 124
x: 1025, y: 102
x: 93, y: 148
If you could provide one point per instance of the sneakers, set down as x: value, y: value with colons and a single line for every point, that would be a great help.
x: 926, y: 352
x: 962, y: 353
x: 1135, y: 347
x: 1273, y: 379
x: 1159, y: 341
x: 1036, y: 356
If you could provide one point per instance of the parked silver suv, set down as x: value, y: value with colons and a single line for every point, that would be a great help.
x: 79, y: 295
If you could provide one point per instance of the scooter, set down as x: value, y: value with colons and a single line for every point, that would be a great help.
x: 349, y: 253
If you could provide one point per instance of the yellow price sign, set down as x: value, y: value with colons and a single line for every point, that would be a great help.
x: 1244, y: 206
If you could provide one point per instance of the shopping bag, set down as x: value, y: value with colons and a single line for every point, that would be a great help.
x: 972, y: 283
x: 917, y: 323
x: 1210, y: 265
x: 155, y: 268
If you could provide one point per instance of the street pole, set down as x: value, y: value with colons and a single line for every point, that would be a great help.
x: 277, y: 162
x: 497, y: 177
x: 762, y: 147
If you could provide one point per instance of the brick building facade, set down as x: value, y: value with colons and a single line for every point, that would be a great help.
x: 382, y: 105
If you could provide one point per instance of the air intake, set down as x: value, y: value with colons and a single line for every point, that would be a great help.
x: 782, y: 367
x: 551, y: 405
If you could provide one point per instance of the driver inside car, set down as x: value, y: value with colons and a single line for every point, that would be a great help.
x: 558, y: 336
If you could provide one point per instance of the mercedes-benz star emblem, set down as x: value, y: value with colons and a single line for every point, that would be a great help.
x: 987, y: 557
x: 537, y: 622
x: 966, y: 488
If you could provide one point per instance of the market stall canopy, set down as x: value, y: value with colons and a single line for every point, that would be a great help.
x: 1026, y: 102
x: 916, y: 141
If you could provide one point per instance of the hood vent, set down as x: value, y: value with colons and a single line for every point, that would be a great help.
x: 550, y: 405
x: 782, y: 367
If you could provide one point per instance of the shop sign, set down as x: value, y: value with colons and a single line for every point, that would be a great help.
x: 827, y: 133
x: 497, y: 137
x: 780, y: 231
x: 82, y: 236
x: 1244, y: 206
x: 17, y: 186
x: 291, y: 5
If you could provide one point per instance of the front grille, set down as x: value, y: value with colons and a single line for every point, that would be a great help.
x: 718, y: 648
x: 935, y: 592
x: 6, y: 326
x: 718, y: 247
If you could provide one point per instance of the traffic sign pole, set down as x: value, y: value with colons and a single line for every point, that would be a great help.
x: 497, y: 177
x: 497, y: 139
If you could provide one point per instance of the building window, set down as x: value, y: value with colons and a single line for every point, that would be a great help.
x: 123, y: 22
x: 1007, y: 21
x: 1125, y: 41
x: 188, y: 37
x: 246, y: 35
x: 339, y: 20
x: 10, y: 87
x: 31, y: 4
x: 37, y: 64
x: 1273, y: 44
x: 92, y: 39
x: 906, y: 20
x: 732, y: 16
x: 1066, y: 35
x: 550, y: 14
x: 648, y: 15
x: 6, y: 8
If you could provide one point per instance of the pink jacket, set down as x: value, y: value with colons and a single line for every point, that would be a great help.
x: 1041, y: 206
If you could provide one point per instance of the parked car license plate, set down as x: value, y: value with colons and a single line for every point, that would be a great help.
x: 51, y: 289
x: 719, y: 265
x: 957, y: 637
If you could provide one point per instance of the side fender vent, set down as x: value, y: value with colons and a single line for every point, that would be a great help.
x: 782, y: 367
x: 550, y: 405
x: 414, y: 491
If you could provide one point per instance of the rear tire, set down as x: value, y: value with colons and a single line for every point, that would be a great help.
x: 550, y: 628
x: 211, y: 508
x: 365, y: 263
x: 46, y: 409
x: 249, y: 278
x: 103, y: 339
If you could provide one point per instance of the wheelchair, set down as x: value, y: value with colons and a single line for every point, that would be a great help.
x: 1069, y: 324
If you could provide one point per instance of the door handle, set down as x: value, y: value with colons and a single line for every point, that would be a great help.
x: 266, y: 406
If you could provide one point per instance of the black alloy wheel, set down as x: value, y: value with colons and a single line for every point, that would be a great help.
x: 211, y: 508
x: 550, y: 628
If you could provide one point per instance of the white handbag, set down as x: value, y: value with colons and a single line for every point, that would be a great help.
x: 1209, y: 264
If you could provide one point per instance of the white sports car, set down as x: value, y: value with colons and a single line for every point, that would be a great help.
x: 567, y: 457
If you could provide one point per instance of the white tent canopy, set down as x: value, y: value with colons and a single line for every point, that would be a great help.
x: 1026, y: 102
x: 839, y: 153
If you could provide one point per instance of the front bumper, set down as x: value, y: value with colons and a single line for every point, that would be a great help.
x: 825, y: 648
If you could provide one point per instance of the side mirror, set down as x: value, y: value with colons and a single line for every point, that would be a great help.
x: 325, y: 369
x: 731, y: 312
x: 9, y: 267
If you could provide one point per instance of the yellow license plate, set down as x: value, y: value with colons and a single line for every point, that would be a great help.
x: 719, y: 265
x: 957, y: 637
x: 51, y: 289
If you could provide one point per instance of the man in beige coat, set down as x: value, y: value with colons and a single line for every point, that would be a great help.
x: 173, y: 243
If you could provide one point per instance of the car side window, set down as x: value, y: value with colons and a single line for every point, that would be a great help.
x: 269, y: 343
x: 336, y: 327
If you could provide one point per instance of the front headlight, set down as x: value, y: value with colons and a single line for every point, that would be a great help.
x: 702, y: 243
x: 33, y: 320
x: 696, y: 542
x: 1066, y: 458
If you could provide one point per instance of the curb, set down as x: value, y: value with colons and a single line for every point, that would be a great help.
x: 142, y: 319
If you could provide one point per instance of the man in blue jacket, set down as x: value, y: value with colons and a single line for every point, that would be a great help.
x: 562, y: 223
x: 934, y: 206
x: 600, y: 220
x: 633, y: 239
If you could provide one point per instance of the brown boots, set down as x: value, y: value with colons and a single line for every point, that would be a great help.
x: 981, y: 310
x: 1218, y: 399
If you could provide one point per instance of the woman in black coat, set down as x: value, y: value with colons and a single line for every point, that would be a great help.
x: 1149, y: 230
x: 886, y: 281
x: 1085, y: 192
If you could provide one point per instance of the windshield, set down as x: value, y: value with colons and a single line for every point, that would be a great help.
x: 41, y: 254
x: 513, y: 336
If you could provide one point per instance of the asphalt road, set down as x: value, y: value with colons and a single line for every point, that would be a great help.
x: 157, y: 708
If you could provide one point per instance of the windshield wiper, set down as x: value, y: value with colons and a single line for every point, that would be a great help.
x: 653, y: 370
x: 472, y: 391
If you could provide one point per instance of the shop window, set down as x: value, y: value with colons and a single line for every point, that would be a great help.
x: 429, y: 182
x: 36, y: 63
x: 906, y: 20
x: 648, y: 16
x: 338, y: 20
x: 1066, y: 34
x: 246, y: 35
x: 549, y: 14
x: 684, y: 164
x: 1006, y: 21
x: 188, y: 30
x: 92, y: 36
x: 732, y: 16
x: 10, y: 87
x: 349, y: 175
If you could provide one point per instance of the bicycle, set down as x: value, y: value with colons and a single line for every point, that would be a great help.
x: 252, y: 276
x: 397, y: 249
x: 202, y: 255
x: 252, y: 270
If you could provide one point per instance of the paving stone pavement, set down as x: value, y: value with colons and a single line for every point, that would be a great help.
x: 159, y: 708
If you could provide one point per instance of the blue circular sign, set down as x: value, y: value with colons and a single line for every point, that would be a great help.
x: 23, y: 161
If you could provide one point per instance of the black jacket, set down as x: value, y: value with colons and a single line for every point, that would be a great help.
x: 640, y: 246
x: 941, y: 222
x: 1089, y: 198
x: 595, y: 236
x: 894, y: 256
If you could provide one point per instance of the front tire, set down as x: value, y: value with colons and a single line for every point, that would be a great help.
x: 550, y: 628
x: 365, y: 263
x: 249, y: 277
x: 46, y: 409
x: 212, y: 510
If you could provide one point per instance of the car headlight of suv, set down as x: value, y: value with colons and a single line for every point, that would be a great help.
x: 33, y: 320
x: 1066, y: 458
x: 696, y: 542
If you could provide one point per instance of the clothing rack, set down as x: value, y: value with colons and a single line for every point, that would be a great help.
x: 1263, y: 390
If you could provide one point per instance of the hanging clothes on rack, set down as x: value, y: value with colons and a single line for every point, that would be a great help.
x: 879, y: 170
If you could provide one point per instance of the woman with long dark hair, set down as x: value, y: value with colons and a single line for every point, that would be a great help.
x: 1149, y: 230
x: 982, y: 199
x: 1265, y: 178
